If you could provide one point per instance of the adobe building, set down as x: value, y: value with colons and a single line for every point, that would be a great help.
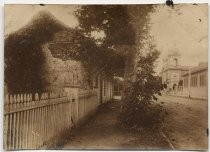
x: 70, y: 75
x: 172, y: 71
x: 186, y: 81
x: 58, y: 72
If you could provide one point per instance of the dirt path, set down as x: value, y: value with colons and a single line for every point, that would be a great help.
x: 186, y: 122
x: 103, y: 132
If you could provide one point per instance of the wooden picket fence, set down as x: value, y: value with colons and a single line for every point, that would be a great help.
x: 31, y: 121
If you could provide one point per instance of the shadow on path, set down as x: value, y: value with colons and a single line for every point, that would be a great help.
x: 103, y: 132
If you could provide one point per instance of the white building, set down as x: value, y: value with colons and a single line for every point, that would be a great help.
x: 195, y: 82
x: 172, y: 71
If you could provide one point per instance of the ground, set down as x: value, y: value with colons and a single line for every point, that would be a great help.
x: 184, y: 128
x: 186, y: 123
x: 104, y: 132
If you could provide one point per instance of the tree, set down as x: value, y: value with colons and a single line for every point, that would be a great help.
x: 142, y: 85
x: 138, y: 109
x: 113, y: 20
x: 126, y: 31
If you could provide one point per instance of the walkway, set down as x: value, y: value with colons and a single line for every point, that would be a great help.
x: 103, y: 132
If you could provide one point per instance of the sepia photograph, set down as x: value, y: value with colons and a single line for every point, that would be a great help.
x: 106, y: 77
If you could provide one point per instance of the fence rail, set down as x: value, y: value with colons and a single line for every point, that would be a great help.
x: 30, y: 121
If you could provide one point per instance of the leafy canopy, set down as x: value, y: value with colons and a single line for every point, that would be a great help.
x: 113, y: 20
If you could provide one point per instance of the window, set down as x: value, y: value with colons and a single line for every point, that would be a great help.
x: 175, y: 61
x: 203, y: 80
x: 186, y: 83
x: 194, y: 81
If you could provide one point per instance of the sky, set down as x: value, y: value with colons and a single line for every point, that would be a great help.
x: 17, y: 16
x: 183, y: 29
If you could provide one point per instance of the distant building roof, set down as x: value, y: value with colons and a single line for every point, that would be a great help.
x: 201, y: 67
x: 183, y: 68
x: 174, y: 53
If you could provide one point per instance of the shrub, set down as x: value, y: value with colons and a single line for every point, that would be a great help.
x: 138, y: 109
x: 149, y: 116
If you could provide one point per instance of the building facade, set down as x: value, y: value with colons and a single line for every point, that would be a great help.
x: 184, y: 80
x: 195, y: 82
x: 69, y: 75
x: 172, y: 71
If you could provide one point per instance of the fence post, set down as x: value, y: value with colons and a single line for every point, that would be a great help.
x: 33, y: 121
x: 6, y: 121
x: 76, y: 97
x: 14, y: 106
x: 10, y: 124
x: 29, y: 99
x: 19, y: 122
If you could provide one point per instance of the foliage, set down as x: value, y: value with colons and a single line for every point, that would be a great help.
x: 95, y: 59
x: 113, y: 20
x: 138, y: 109
x: 24, y: 57
x: 100, y: 53
x: 122, y: 26
x: 126, y: 26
